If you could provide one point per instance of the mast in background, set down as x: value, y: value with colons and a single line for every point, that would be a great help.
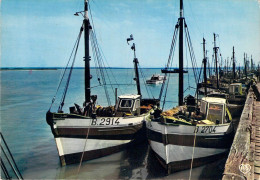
x: 205, y: 67
x: 234, y: 64
x: 181, y: 54
x: 216, y: 59
x: 252, y: 64
x: 245, y: 64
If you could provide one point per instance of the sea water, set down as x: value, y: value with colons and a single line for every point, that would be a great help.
x: 26, y: 96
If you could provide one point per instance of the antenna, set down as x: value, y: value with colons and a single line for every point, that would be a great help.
x: 136, y: 64
x: 130, y: 39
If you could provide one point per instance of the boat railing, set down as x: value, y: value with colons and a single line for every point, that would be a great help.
x: 8, y: 164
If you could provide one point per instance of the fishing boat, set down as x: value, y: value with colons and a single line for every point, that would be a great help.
x: 92, y: 131
x: 156, y: 79
x: 165, y: 70
x: 183, y: 139
x: 234, y: 93
x: 195, y: 132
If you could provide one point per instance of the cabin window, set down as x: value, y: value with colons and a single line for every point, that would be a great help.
x: 215, y: 112
x: 137, y: 104
x: 126, y: 103
x: 231, y: 89
x: 203, y: 107
x: 236, y: 89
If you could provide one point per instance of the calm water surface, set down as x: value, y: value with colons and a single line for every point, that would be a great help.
x: 25, y: 98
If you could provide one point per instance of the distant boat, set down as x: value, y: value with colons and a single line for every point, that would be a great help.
x: 156, y: 79
x: 165, y: 70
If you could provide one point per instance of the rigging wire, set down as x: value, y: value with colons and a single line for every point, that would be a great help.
x: 212, y: 62
x: 70, y: 73
x: 148, y: 89
x: 169, y: 64
x: 170, y: 57
x: 102, y: 53
x: 192, y: 56
x: 187, y: 66
x: 97, y: 58
x: 65, y: 69
x: 164, y: 100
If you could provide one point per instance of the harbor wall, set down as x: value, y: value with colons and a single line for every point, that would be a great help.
x: 241, y: 162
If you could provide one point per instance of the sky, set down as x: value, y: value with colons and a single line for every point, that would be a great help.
x: 42, y: 33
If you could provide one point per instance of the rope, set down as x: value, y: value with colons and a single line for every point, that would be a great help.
x: 164, y: 100
x: 8, y: 150
x: 98, y: 60
x: 187, y: 63
x: 170, y: 58
x: 192, y: 55
x: 63, y: 74
x: 102, y: 54
x: 71, y: 68
x: 83, y: 152
x: 17, y: 174
x: 194, y: 144
x: 3, y: 167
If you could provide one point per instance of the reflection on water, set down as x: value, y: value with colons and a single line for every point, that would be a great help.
x: 136, y: 162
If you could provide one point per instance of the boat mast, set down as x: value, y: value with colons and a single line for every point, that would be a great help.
x: 205, y: 67
x: 137, y: 79
x: 209, y: 68
x: 136, y: 71
x: 252, y: 64
x: 234, y: 65
x: 181, y: 54
x: 245, y: 64
x: 239, y: 71
x: 87, y: 27
x: 216, y: 59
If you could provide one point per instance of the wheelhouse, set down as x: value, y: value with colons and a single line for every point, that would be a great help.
x: 128, y: 104
x: 214, y: 109
x: 235, y: 89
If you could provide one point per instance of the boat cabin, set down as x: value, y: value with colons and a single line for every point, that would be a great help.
x: 214, y: 109
x: 128, y: 105
x: 235, y: 89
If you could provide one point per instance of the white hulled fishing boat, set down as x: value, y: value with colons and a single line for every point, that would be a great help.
x: 194, y: 133
x: 93, y: 131
x: 180, y: 140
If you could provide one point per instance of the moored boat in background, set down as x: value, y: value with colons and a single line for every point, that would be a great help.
x: 156, y: 79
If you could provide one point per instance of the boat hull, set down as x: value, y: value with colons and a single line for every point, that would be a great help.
x: 81, y: 138
x: 172, y: 71
x: 154, y: 82
x: 175, y: 148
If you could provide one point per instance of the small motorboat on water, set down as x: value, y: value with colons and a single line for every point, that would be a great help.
x: 156, y: 79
